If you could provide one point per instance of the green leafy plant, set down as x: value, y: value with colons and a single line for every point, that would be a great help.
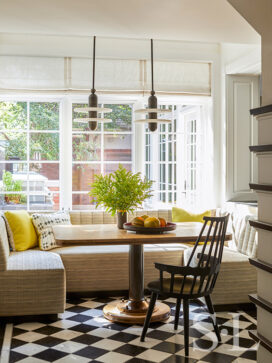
x: 121, y: 191
x: 10, y: 185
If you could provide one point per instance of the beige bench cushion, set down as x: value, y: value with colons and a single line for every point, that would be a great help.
x: 244, y: 236
x: 100, y: 217
x: 237, y: 278
x: 34, y: 283
x: 4, y: 245
x: 98, y: 268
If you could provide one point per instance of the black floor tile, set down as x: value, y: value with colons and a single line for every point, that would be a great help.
x: 168, y: 347
x: 130, y: 349
x: 91, y: 352
x: 50, y: 355
x: 16, y: 357
x: 86, y: 339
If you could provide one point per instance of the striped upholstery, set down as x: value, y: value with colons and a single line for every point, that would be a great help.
x: 34, y: 283
x: 4, y: 245
x: 105, y: 268
x: 244, y: 236
x: 100, y: 217
x: 237, y: 277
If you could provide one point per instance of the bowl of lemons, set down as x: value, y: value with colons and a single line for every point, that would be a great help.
x: 149, y: 225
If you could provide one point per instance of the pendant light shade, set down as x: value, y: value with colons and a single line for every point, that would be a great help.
x: 153, y: 111
x: 93, y: 108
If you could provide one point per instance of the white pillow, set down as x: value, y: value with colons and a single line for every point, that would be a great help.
x: 43, y: 224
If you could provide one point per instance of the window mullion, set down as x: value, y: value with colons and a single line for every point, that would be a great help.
x: 102, y: 144
x: 66, y: 163
x: 28, y: 157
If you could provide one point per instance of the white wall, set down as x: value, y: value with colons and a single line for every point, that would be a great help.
x: 258, y: 14
x: 241, y: 168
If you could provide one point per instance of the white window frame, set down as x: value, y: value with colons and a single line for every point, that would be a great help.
x: 65, y: 129
x: 204, y: 104
x: 102, y: 100
x: 28, y: 99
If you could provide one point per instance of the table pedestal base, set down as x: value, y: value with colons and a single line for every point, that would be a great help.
x: 122, y: 312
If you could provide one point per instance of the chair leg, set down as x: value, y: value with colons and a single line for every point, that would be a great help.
x: 211, y: 311
x: 149, y: 314
x: 177, y: 313
x: 186, y: 325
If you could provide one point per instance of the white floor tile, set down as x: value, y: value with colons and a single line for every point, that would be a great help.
x: 30, y: 336
x: 69, y: 347
x: 30, y: 326
x: 102, y: 332
x: 153, y: 355
x: 72, y: 359
x: 148, y: 343
x: 67, y: 334
x: 113, y: 357
x: 108, y: 344
x: 30, y: 349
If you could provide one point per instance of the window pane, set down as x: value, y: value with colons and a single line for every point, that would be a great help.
x: 169, y: 176
x: 44, y: 115
x: 111, y: 168
x: 44, y: 201
x: 44, y: 146
x: 13, y: 177
x: 10, y: 201
x: 83, y: 176
x: 13, y: 181
x: 86, y: 147
x: 118, y: 147
x: 50, y: 171
x: 82, y: 126
x: 44, y: 177
x: 13, y: 115
x: 82, y: 201
x: 121, y: 116
x: 162, y: 176
x: 170, y: 146
x: 162, y: 147
x: 12, y: 146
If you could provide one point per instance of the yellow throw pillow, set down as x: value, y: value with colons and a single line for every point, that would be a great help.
x: 181, y: 215
x: 22, y: 230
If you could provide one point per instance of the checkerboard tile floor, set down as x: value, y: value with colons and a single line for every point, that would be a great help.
x: 83, y: 335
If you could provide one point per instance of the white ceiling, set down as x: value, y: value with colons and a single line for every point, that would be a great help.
x: 190, y: 20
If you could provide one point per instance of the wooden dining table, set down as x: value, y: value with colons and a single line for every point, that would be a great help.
x: 132, y: 310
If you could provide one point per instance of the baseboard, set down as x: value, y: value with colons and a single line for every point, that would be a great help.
x: 46, y: 318
x: 229, y: 307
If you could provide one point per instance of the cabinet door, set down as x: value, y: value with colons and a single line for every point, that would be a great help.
x: 242, y: 95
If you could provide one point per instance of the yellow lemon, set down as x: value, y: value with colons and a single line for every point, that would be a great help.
x: 151, y: 222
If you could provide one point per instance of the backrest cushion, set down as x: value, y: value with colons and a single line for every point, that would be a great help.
x: 22, y: 233
x: 43, y: 224
x: 4, y: 245
x: 244, y: 236
x: 101, y: 217
x: 182, y: 215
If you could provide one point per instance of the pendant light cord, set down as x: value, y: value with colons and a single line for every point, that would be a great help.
x: 94, y: 40
x: 152, y: 80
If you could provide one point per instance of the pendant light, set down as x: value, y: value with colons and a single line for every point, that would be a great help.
x: 152, y: 110
x: 93, y: 108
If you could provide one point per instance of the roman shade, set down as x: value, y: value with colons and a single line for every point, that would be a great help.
x: 116, y: 75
